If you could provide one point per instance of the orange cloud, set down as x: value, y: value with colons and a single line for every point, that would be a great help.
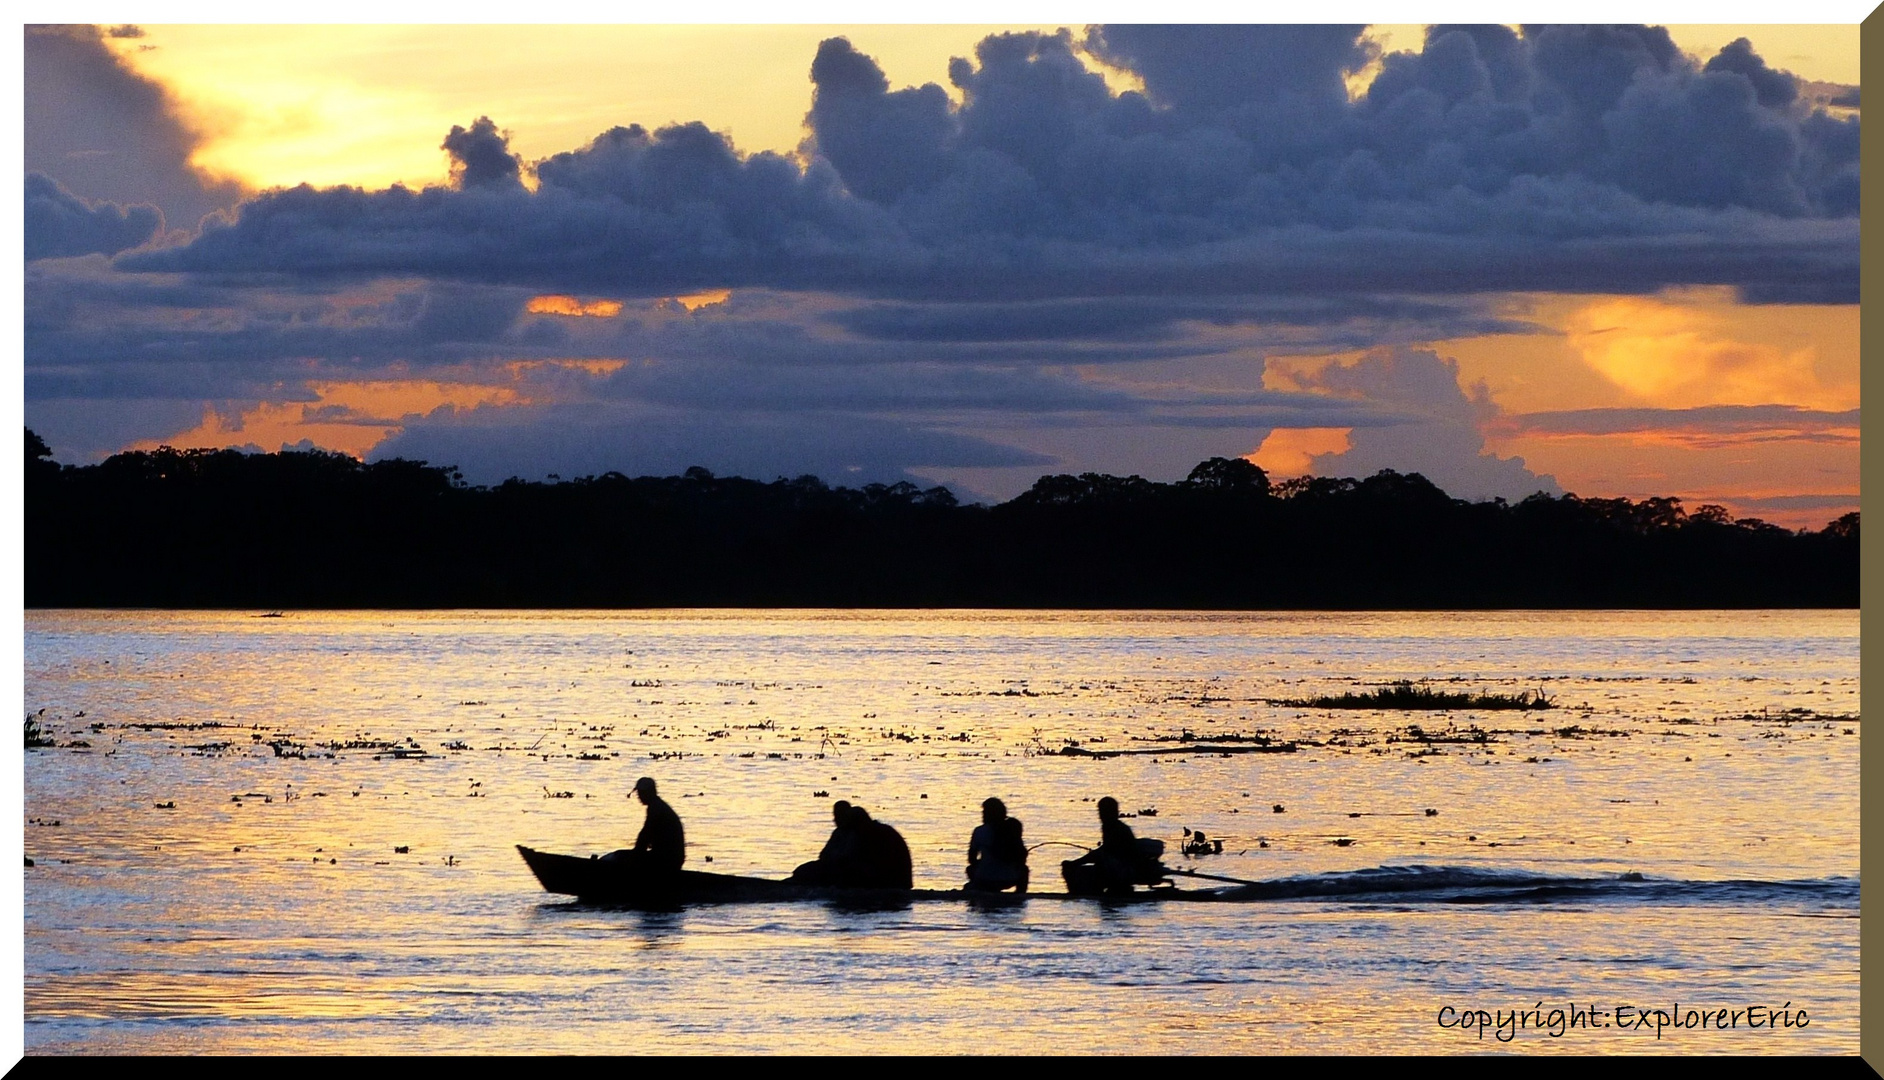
x: 1288, y: 451
x: 569, y: 305
x: 351, y: 417
x: 1678, y: 355
x: 694, y: 301
x: 1679, y: 349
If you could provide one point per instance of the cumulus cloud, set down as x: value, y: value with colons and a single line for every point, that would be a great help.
x: 1594, y: 159
x: 1439, y: 432
x: 1217, y: 69
x: 108, y: 133
x: 481, y: 157
x: 59, y: 223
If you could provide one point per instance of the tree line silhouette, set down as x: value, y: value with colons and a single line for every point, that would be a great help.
x: 224, y: 528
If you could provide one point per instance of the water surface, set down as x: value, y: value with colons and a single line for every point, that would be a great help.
x: 216, y: 867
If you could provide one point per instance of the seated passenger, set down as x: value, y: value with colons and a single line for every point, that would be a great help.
x: 837, y: 863
x: 1119, y: 862
x: 997, y: 856
x: 884, y: 861
x: 662, y: 845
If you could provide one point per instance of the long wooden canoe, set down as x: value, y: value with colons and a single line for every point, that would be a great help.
x: 594, y: 881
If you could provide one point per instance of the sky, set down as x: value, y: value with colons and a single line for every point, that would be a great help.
x: 1617, y: 261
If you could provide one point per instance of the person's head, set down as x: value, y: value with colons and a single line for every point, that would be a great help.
x: 1108, y: 809
x: 857, y: 817
x: 992, y: 811
x: 840, y: 813
x: 644, y: 787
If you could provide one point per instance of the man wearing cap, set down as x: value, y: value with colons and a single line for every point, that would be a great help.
x: 662, y: 845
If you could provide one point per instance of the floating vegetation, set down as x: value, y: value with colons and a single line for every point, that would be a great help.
x: 1415, y: 733
x: 360, y: 744
x: 1073, y: 749
x: 1409, y: 695
x: 36, y: 736
x: 1189, y: 736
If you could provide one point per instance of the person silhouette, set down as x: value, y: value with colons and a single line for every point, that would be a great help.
x: 837, y: 862
x: 997, y: 855
x: 883, y: 855
x: 661, y: 847
x: 1119, y: 862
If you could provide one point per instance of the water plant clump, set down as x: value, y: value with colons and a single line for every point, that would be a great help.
x: 36, y: 736
x: 1409, y: 695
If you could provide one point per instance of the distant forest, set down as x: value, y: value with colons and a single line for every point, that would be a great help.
x: 226, y: 529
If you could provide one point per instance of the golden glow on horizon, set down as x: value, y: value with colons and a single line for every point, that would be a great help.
x: 1680, y: 349
x: 1762, y: 465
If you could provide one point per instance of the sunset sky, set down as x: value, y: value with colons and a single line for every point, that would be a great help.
x: 1610, y: 261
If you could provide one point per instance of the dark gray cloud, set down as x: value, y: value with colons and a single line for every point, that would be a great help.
x: 1161, y: 318
x: 1797, y: 502
x: 1217, y: 69
x: 60, y: 224
x: 481, y: 157
x: 88, y: 325
x: 106, y: 132
x: 1710, y: 419
x: 884, y: 143
x: 88, y: 429
x: 492, y: 445
x: 98, y: 332
x: 1571, y: 158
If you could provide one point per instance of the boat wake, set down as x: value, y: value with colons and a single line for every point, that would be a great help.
x: 1476, y: 885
